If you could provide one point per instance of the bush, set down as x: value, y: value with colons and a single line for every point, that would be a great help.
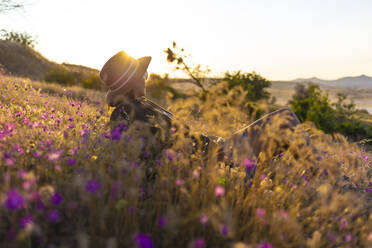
x: 252, y: 83
x: 66, y: 77
x: 23, y: 38
x: 312, y: 104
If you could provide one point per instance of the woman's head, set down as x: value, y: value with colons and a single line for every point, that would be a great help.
x: 125, y: 77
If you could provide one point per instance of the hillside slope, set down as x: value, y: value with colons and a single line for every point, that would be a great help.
x: 20, y: 60
x: 23, y: 61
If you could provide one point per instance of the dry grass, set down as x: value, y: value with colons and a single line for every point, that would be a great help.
x: 67, y: 183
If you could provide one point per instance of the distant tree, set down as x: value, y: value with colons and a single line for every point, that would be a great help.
x: 8, y: 5
x: 254, y: 84
x: 312, y: 104
x: 177, y: 56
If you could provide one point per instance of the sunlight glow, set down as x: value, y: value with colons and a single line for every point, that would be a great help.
x: 280, y: 40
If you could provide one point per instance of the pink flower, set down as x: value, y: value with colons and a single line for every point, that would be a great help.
x: 171, y: 155
x: 179, y: 182
x: 9, y: 161
x: 203, y: 219
x: 348, y: 237
x: 54, y: 155
x: 283, y: 214
x: 260, y: 212
x: 219, y: 191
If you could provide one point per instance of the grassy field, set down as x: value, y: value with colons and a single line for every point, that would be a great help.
x: 67, y: 181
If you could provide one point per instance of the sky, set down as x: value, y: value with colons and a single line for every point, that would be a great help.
x: 280, y: 40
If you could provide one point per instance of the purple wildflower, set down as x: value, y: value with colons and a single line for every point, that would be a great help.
x: 14, y: 201
x: 84, y: 133
x: 71, y: 161
x: 146, y: 155
x: 162, y: 221
x: 56, y: 199
x: 106, y: 135
x: 143, y: 241
x: 25, y: 222
x: 53, y: 216
x: 37, y: 154
x: 249, y: 164
x: 265, y: 245
x: 199, y: 243
x: 92, y: 186
x: 134, y: 164
x: 70, y: 118
x: 19, y: 149
x: 116, y: 133
x: 40, y: 205
x: 9, y: 127
x: 224, y: 230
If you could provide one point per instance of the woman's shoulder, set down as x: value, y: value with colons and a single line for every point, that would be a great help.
x: 141, y: 109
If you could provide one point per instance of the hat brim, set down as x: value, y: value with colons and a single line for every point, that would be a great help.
x: 143, y: 65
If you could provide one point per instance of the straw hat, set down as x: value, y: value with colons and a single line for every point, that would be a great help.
x: 120, y: 74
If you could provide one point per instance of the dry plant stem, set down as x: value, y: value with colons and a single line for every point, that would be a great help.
x: 196, y: 81
x: 257, y: 135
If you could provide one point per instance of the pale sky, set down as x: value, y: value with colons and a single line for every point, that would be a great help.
x: 279, y: 39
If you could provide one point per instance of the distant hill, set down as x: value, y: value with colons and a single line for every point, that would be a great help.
x: 20, y: 60
x: 361, y: 81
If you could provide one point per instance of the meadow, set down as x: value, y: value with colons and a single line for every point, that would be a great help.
x: 67, y: 180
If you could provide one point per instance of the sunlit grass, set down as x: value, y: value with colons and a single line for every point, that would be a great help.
x: 66, y: 180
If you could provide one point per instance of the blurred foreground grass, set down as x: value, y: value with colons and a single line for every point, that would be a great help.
x: 66, y: 182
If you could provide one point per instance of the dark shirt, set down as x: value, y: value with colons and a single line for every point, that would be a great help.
x: 160, y: 122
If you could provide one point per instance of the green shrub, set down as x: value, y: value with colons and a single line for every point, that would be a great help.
x: 159, y: 89
x: 60, y: 76
x: 66, y: 77
x: 312, y: 104
x: 252, y: 83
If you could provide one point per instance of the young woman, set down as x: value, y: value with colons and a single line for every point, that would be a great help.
x: 125, y: 78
